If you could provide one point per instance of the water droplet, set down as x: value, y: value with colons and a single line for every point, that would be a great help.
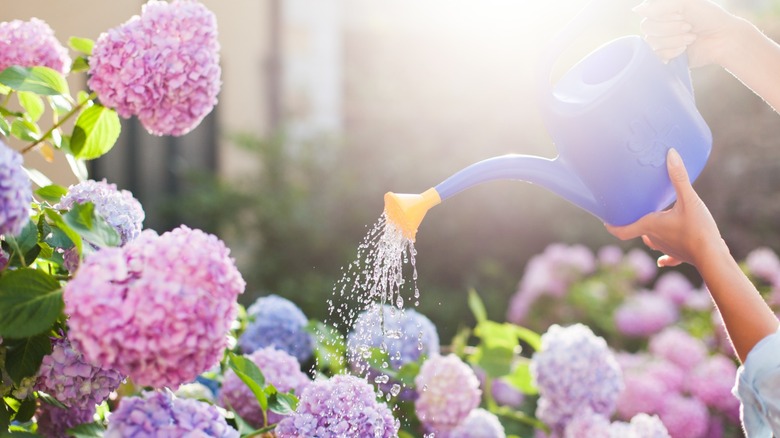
x: 395, y: 390
x: 382, y: 378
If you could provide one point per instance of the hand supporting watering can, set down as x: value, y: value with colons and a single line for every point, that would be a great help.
x: 687, y: 233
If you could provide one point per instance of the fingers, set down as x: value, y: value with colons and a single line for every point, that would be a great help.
x: 667, y: 261
x: 679, y: 177
x: 660, y: 9
x: 633, y: 230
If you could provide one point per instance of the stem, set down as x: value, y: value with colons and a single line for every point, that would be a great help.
x: 65, y: 118
x: 521, y: 417
x: 8, y: 98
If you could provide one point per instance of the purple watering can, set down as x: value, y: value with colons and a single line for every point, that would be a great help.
x: 613, y: 116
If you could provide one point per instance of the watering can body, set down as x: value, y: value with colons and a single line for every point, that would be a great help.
x: 613, y: 116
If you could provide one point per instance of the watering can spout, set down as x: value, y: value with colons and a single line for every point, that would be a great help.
x: 406, y: 211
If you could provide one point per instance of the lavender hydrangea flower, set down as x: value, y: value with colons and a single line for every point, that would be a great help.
x: 711, y: 382
x: 685, y: 417
x: 574, y: 369
x: 679, y: 347
x: 641, y: 393
x: 54, y: 422
x: 648, y: 426
x: 764, y: 264
x: 675, y: 287
x: 644, y: 314
x: 118, y: 207
x: 66, y: 376
x: 31, y: 43
x: 158, y: 309
x: 448, y: 390
x: 161, y: 414
x: 406, y: 333
x: 277, y: 322
x: 15, y: 192
x: 587, y: 424
x: 478, y: 424
x: 279, y: 369
x: 341, y: 406
x: 174, y: 84
x: 643, y: 265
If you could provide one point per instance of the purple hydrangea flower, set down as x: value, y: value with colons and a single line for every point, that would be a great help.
x: 448, y: 390
x: 158, y: 309
x: 711, y: 382
x: 341, y: 406
x: 764, y: 264
x: 118, y: 207
x: 54, y: 422
x: 587, y: 424
x: 31, y: 43
x: 65, y: 375
x: 161, y: 414
x: 277, y: 322
x: 478, y: 424
x: 685, y: 417
x: 610, y: 255
x: 15, y: 192
x: 679, y: 347
x: 675, y: 287
x: 648, y: 426
x: 641, y: 394
x: 644, y: 314
x: 644, y: 266
x: 4, y: 259
x: 671, y: 376
x: 574, y: 369
x: 279, y: 369
x: 407, y: 335
x: 173, y: 84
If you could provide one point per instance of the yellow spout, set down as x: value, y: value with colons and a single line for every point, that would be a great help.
x: 406, y: 211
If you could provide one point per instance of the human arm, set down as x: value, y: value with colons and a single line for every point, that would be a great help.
x: 687, y: 233
x: 712, y: 35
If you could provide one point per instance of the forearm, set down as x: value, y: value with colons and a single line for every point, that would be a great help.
x: 754, y: 59
x: 747, y: 317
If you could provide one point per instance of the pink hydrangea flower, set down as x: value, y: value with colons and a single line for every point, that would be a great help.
x: 685, y: 417
x: 675, y: 287
x: 671, y: 376
x: 641, y: 394
x: 679, y: 347
x: 711, y: 382
x: 279, y: 369
x: 15, y: 192
x: 162, y: 66
x: 158, y: 309
x: 609, y: 255
x: 644, y: 266
x: 478, y: 424
x: 31, y: 43
x: 764, y: 264
x: 66, y: 376
x: 645, y: 314
x: 448, y: 390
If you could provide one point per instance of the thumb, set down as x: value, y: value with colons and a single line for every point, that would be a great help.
x: 678, y: 175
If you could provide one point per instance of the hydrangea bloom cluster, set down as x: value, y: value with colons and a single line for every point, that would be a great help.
x: 406, y: 334
x: 54, y: 422
x: 685, y: 416
x: 448, y: 390
x: 31, y: 43
x: 574, y: 369
x: 279, y: 369
x: 587, y: 424
x: 277, y: 322
x: 479, y: 423
x: 679, y: 347
x: 158, y: 309
x: 66, y: 376
x: 174, y: 83
x: 551, y: 272
x: 118, y: 207
x: 15, y: 191
x: 711, y: 382
x: 160, y: 414
x: 341, y: 406
x: 644, y: 314
x: 675, y: 287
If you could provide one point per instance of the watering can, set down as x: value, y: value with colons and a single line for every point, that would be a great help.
x: 612, y: 117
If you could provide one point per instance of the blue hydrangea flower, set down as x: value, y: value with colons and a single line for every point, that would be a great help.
x: 118, y: 207
x: 342, y: 406
x: 161, y: 414
x: 406, y: 334
x: 277, y: 322
x: 15, y: 192
x: 574, y: 369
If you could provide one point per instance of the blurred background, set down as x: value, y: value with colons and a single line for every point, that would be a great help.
x: 328, y: 104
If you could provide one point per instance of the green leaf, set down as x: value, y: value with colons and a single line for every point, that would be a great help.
x: 32, y: 103
x: 408, y: 372
x: 79, y: 64
x: 330, y: 349
x: 477, y: 306
x: 87, y: 430
x: 92, y: 227
x: 282, y: 403
x: 60, y: 104
x: 5, y: 417
x: 52, y: 193
x: 5, y: 128
x: 4, y: 90
x: 24, y: 246
x: 40, y: 80
x: 83, y: 45
x: 31, y: 301
x: 24, y: 356
x: 250, y: 374
x: 82, y: 97
x: 61, y: 226
x: 25, y: 130
x: 521, y: 378
x: 26, y: 410
x: 44, y: 397
x: 95, y: 132
x: 495, y: 353
x: 529, y: 336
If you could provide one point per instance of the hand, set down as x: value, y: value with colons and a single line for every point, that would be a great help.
x: 685, y: 233
x: 702, y: 27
